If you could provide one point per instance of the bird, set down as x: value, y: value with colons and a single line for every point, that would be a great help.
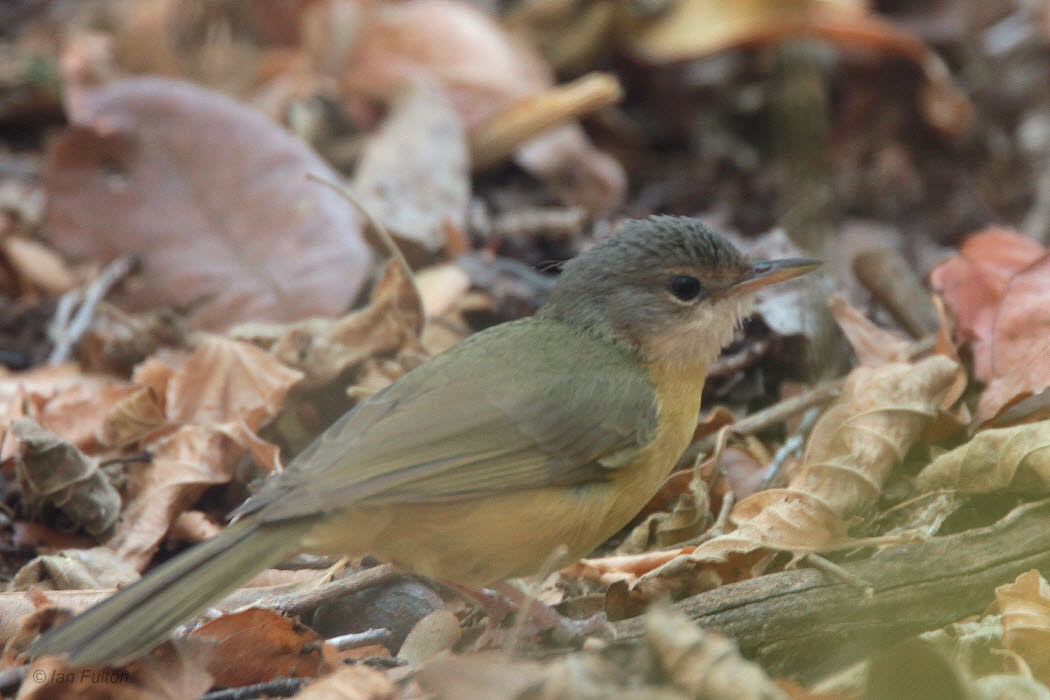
x: 540, y: 435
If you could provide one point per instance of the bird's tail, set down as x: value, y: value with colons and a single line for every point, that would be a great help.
x: 137, y: 618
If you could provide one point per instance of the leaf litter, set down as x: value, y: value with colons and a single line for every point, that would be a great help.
x: 155, y: 433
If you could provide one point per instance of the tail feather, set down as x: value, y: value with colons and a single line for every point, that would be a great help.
x: 139, y: 617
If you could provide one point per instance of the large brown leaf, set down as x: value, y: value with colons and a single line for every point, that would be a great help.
x: 974, y: 281
x: 1020, y: 341
x: 211, y: 197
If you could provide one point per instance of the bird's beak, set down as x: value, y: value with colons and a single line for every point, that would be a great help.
x: 769, y: 272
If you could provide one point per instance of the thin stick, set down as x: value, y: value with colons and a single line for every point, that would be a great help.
x: 782, y: 410
x: 774, y: 415
x: 67, y: 336
x: 292, y: 604
x: 380, y: 229
x: 835, y: 571
x: 791, y: 446
x: 499, y: 136
x: 355, y: 640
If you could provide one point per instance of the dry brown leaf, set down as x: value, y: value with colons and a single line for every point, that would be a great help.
x: 38, y: 266
x: 687, y: 516
x: 257, y: 645
x: 414, y: 173
x: 1015, y: 459
x: 1020, y: 341
x: 193, y: 526
x: 1025, y: 609
x: 872, y: 345
x: 974, y: 281
x: 351, y: 683
x: 53, y: 472
x: 132, y: 418
x: 441, y: 288
x: 211, y: 197
x: 157, y: 373
x: 172, y: 672
x: 46, y: 380
x: 851, y: 451
x: 866, y: 433
x: 73, y: 569
x: 75, y: 411
x: 228, y: 381
x: 184, y: 464
x: 484, y: 70
x: 696, y: 28
x: 324, y: 348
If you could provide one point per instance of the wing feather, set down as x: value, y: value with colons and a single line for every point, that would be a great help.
x: 565, y: 412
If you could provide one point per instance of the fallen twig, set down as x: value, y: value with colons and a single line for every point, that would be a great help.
x: 66, y: 332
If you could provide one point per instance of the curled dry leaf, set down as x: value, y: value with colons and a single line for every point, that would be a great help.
x: 851, y: 451
x: 258, y: 645
x: 184, y: 464
x: 74, y: 569
x: 325, y: 348
x: 414, y: 173
x: 1015, y: 459
x: 864, y: 436
x: 689, y: 514
x: 215, y: 400
x: 53, y: 472
x: 872, y: 345
x: 701, y: 663
x: 132, y: 418
x: 228, y: 381
x: 212, y: 199
x: 1025, y: 608
x: 973, y: 284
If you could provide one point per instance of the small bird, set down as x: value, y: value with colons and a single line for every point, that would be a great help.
x: 535, y: 436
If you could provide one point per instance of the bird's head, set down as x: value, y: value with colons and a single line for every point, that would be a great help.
x: 667, y: 286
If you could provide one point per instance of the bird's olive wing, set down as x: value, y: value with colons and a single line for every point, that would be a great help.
x: 455, y: 432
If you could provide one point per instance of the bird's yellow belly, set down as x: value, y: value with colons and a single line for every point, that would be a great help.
x: 478, y: 541
x: 503, y: 535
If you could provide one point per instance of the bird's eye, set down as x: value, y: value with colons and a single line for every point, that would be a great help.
x: 685, y: 287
